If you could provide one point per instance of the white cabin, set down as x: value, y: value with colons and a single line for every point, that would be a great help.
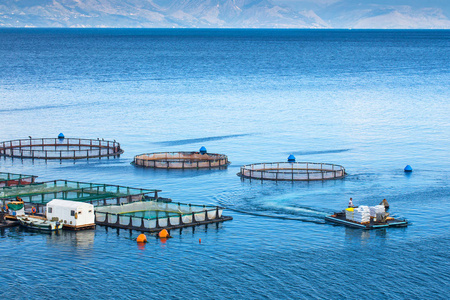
x: 73, y: 214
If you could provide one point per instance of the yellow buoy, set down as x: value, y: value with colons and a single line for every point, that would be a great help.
x: 163, y: 234
x: 141, y: 238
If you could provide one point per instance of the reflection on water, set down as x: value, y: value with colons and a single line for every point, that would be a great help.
x: 83, y: 239
x: 362, y: 235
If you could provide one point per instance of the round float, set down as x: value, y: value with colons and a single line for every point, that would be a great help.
x: 181, y: 160
x: 292, y: 171
x: 60, y: 148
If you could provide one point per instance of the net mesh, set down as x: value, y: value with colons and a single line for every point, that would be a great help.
x: 12, y: 179
x: 298, y: 171
x: 155, y: 214
x: 181, y: 160
x: 76, y: 191
x: 55, y: 148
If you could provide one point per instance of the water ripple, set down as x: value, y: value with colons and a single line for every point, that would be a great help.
x: 200, y: 140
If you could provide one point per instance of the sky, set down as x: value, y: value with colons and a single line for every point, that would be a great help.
x: 389, y: 2
x: 444, y: 4
x: 384, y: 14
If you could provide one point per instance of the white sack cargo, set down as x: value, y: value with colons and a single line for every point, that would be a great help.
x: 361, y: 214
x: 378, y: 209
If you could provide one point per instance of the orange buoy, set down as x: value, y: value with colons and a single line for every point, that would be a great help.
x: 33, y: 210
x: 141, y: 238
x: 199, y: 241
x: 164, y: 234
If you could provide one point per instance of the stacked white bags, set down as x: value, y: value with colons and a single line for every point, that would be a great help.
x: 361, y: 214
x: 349, y: 214
x: 374, y: 210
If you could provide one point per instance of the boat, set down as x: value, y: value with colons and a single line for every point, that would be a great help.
x: 15, y: 205
x: 39, y: 223
x: 375, y: 221
x: 4, y: 222
x: 13, y: 209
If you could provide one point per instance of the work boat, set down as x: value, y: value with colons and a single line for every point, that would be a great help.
x: 39, y: 223
x: 366, y: 217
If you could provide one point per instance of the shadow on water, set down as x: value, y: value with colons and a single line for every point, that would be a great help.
x: 175, y: 173
x: 199, y: 140
x: 70, y: 164
x: 318, y: 152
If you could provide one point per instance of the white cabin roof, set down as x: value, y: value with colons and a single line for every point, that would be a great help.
x: 69, y: 204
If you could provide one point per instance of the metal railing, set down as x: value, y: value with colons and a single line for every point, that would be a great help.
x: 39, y: 194
x: 12, y: 179
x: 181, y: 160
x: 56, y: 148
x: 296, y: 171
x: 168, y: 215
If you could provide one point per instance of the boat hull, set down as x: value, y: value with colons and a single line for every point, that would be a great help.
x: 342, y: 221
x: 8, y: 223
x: 39, y: 223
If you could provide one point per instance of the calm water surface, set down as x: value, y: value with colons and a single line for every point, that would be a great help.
x: 372, y: 101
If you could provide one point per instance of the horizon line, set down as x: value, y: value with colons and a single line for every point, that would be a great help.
x: 222, y: 28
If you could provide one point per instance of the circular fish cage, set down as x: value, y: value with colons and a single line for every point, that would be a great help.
x: 292, y: 171
x: 181, y: 160
x: 60, y: 148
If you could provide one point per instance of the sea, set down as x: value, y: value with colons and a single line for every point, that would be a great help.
x: 372, y: 101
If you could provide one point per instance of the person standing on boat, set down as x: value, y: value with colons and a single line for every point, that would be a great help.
x: 350, y: 202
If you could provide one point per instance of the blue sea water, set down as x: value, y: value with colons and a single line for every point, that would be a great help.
x: 372, y: 101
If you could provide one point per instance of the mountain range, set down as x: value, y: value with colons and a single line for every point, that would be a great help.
x: 225, y: 13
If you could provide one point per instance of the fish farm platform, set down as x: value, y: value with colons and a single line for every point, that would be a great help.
x: 38, y: 194
x: 153, y: 216
x: 181, y: 160
x: 60, y: 148
x: 12, y: 179
x: 292, y: 171
x: 115, y: 206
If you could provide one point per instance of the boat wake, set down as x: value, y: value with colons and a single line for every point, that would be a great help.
x: 272, y: 207
x: 199, y: 140
x: 42, y: 107
x: 318, y: 152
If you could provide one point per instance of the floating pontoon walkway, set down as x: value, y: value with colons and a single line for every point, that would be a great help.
x: 12, y: 179
x: 117, y: 206
x: 38, y: 194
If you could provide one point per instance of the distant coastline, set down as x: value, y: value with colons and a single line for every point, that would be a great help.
x: 258, y: 14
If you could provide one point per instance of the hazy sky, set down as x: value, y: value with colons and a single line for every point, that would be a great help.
x: 391, y: 2
x: 420, y: 3
x: 313, y: 13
